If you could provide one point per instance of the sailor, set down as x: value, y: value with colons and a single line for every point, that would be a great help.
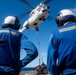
x: 61, y: 59
x: 11, y: 42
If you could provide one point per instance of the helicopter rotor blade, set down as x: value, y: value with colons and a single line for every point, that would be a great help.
x: 23, y: 15
x: 46, y: 1
x: 24, y: 1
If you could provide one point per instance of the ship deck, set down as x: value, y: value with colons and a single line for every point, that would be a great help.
x: 30, y: 73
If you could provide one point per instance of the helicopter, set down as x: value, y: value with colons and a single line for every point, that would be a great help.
x: 37, y: 15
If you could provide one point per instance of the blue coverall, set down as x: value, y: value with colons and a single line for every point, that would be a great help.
x: 11, y: 42
x: 61, y: 59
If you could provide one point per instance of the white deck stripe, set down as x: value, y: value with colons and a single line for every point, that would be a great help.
x: 67, y: 29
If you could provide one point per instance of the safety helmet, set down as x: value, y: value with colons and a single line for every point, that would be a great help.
x: 64, y: 16
x: 11, y: 22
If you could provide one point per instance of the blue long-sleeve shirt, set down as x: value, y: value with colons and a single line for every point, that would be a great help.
x: 62, y: 50
x: 11, y: 42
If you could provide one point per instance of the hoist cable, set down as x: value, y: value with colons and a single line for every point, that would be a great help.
x: 39, y: 48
